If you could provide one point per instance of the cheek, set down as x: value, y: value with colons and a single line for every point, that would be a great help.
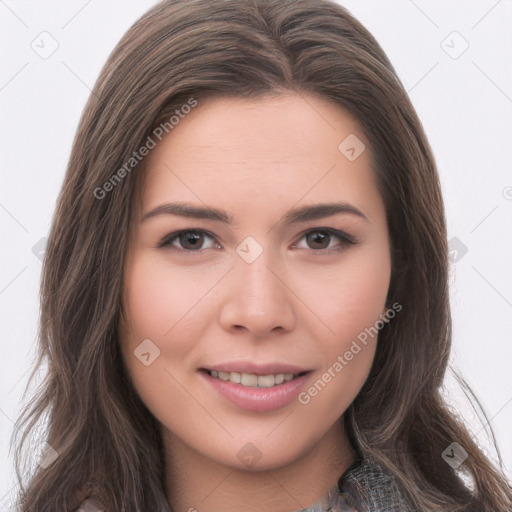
x: 167, y: 306
x: 350, y: 306
x: 350, y: 300
x: 150, y: 299
x: 158, y: 299
x: 155, y: 302
x: 351, y: 296
x: 151, y: 305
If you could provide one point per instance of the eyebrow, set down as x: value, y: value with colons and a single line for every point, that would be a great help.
x: 303, y: 214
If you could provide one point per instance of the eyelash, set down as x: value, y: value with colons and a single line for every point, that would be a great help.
x: 345, y: 240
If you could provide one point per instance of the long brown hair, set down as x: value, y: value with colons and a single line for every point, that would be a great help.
x: 106, y: 442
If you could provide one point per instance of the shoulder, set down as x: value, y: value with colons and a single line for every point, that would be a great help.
x: 373, y: 488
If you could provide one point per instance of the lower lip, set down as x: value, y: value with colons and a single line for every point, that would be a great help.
x: 258, y: 399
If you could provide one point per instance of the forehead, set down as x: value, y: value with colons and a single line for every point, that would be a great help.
x: 291, y: 126
x: 280, y: 148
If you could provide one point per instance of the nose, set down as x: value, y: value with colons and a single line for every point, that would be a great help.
x: 258, y: 299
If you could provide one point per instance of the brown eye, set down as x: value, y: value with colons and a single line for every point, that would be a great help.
x: 187, y: 241
x: 191, y: 240
x: 320, y: 240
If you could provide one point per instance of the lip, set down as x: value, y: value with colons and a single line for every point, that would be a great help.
x: 257, y: 399
x: 257, y: 368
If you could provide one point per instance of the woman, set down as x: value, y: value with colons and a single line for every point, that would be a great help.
x: 228, y: 361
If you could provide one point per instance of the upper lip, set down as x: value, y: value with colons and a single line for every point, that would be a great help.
x: 256, y: 368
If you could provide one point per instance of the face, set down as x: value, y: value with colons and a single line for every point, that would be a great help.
x: 237, y: 266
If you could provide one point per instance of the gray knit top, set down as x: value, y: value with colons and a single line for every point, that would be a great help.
x: 370, y: 488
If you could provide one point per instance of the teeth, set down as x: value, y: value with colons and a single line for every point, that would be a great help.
x: 253, y: 381
x: 249, y: 379
x: 235, y: 377
x: 266, y: 381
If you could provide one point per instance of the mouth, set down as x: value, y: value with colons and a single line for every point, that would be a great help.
x: 252, y: 380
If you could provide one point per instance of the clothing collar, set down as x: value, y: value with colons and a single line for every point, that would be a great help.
x: 365, y: 486
x: 372, y: 487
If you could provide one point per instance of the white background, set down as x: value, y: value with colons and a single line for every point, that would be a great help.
x: 465, y: 105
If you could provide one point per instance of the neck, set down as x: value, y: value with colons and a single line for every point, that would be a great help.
x: 196, y: 482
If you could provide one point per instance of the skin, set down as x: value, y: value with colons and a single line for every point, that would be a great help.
x: 299, y: 302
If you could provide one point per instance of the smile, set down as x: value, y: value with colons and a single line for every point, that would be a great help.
x: 258, y: 393
x: 252, y: 380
